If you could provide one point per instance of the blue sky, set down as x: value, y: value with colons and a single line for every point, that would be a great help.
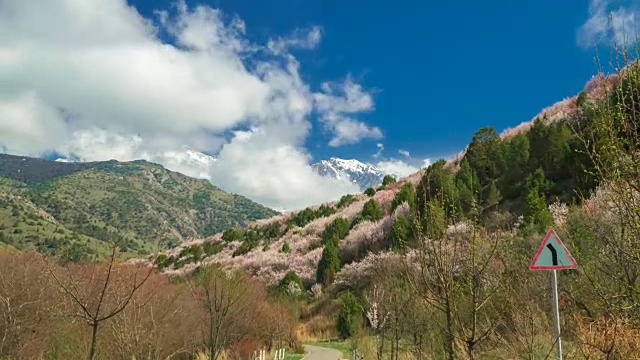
x: 441, y: 69
x: 268, y: 87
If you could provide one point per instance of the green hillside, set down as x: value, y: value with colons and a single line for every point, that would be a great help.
x: 81, y: 206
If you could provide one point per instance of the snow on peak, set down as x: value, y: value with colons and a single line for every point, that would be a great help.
x: 365, y: 175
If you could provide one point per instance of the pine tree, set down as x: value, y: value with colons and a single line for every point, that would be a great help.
x: 371, y: 211
x: 401, y: 233
x: 329, y: 264
x: 350, y: 317
x: 493, y: 196
x: 435, y: 222
x: 406, y: 194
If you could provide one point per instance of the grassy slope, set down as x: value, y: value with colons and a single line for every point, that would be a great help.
x: 140, y: 203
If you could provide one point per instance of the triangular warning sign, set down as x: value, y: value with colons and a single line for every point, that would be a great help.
x: 553, y: 255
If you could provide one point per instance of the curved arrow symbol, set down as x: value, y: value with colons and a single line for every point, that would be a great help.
x: 554, y: 254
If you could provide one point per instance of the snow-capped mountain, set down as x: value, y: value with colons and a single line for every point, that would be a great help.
x: 365, y: 175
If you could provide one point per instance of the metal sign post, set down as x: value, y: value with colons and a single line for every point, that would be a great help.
x: 553, y: 255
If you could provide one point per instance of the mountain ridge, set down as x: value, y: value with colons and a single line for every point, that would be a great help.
x: 141, y: 204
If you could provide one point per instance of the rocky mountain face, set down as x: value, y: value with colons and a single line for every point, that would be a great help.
x: 365, y: 175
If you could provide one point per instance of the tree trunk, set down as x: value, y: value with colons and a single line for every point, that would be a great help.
x: 448, y: 336
x: 94, y: 337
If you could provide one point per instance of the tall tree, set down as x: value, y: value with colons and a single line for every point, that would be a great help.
x: 223, y: 299
x: 485, y: 154
x: 100, y: 292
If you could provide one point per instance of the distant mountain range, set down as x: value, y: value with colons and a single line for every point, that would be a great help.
x: 196, y: 164
x: 364, y: 175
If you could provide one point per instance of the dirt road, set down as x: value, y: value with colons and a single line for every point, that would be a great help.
x: 320, y: 353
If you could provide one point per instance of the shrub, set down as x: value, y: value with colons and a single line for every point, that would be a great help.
x: 346, y: 200
x: 388, y: 180
x: 370, y: 192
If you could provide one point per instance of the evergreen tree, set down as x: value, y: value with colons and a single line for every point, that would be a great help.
x: 467, y: 186
x: 493, y: 196
x: 371, y: 211
x: 337, y: 230
x: 329, y: 264
x: 517, y: 157
x: 388, y: 180
x: 406, y: 194
x: 350, y: 319
x: 370, y: 192
x: 485, y: 155
x: 537, y: 213
x: 401, y: 233
x: 438, y: 183
x: 285, y: 284
x: 435, y: 222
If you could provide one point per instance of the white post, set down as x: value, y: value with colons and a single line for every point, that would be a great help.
x: 556, y: 312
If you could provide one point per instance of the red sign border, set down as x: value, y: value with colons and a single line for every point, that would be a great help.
x: 573, y: 265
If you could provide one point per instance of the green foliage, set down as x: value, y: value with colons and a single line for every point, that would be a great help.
x: 438, y: 183
x: 286, y: 249
x: 435, y: 221
x: 388, y: 180
x: 350, y: 319
x: 406, y: 194
x: 304, y: 217
x: 212, y: 248
x: 337, y: 230
x: 345, y: 201
x: 195, y: 252
x: 76, y: 252
x: 485, y: 155
x: 163, y: 261
x: 371, y: 211
x: 232, y: 234
x: 329, y: 264
x: 370, y: 192
x: 537, y: 213
x: 401, y: 233
x: 493, y: 196
x: 283, y: 285
x: 140, y: 205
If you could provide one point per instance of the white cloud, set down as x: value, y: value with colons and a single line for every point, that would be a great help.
x: 274, y: 173
x: 426, y: 163
x: 349, y: 131
x: 303, y: 39
x: 335, y: 104
x: 397, y: 167
x: 380, y: 149
x: 94, y: 80
x: 609, y: 25
x: 404, y: 153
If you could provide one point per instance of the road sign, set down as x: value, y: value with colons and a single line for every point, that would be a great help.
x: 553, y: 255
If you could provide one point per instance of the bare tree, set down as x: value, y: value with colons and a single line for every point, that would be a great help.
x: 24, y: 301
x: 223, y: 299
x: 157, y: 323
x: 100, y: 292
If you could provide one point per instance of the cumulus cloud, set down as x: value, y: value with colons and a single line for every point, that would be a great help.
x: 608, y: 24
x: 337, y: 102
x: 397, y: 167
x: 74, y: 87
